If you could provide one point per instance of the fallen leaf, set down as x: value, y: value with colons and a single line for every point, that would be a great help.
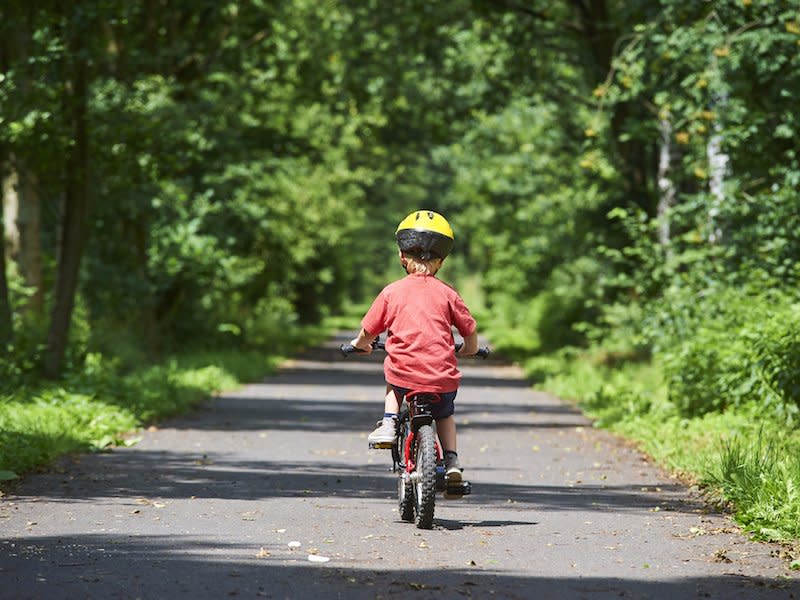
x: 262, y: 553
x: 316, y: 558
x: 721, y: 556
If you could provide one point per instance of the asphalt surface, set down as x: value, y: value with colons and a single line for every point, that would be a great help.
x: 271, y: 492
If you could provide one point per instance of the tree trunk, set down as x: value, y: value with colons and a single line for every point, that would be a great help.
x: 22, y: 229
x: 30, y: 248
x: 666, y: 188
x: 74, y: 214
x: 11, y: 209
x: 6, y: 330
x: 718, y: 167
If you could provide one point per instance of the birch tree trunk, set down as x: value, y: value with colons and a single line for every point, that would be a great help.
x: 22, y: 228
x: 30, y: 242
x: 6, y: 330
x: 666, y: 188
x: 718, y: 167
x: 11, y: 209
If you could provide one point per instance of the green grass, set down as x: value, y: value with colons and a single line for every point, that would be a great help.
x: 102, y: 406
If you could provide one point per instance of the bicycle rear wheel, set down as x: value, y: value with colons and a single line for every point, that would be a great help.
x: 425, y: 477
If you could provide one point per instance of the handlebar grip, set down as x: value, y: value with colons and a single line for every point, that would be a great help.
x: 481, y: 353
x: 350, y: 349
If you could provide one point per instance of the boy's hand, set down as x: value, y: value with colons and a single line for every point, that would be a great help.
x: 363, y: 342
x: 365, y: 348
x: 470, y: 345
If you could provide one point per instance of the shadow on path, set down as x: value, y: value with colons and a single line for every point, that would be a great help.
x: 87, y: 566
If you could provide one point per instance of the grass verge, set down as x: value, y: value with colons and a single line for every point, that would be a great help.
x: 100, y: 406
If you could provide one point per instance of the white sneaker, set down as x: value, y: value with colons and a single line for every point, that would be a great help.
x: 453, y: 469
x: 385, y: 433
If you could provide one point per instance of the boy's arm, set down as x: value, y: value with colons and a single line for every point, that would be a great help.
x: 364, y: 341
x: 470, y: 344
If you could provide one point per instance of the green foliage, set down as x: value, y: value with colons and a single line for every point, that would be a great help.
x: 760, y: 478
x: 776, y: 354
x: 100, y: 407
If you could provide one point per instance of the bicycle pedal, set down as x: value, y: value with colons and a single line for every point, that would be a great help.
x: 381, y: 445
x: 458, y: 490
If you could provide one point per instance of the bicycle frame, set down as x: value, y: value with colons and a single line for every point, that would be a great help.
x: 419, y: 413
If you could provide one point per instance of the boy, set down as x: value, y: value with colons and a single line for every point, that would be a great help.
x: 418, y: 311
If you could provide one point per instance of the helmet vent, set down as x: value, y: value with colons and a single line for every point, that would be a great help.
x: 430, y: 215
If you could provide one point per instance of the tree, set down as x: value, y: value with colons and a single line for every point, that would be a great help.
x: 6, y: 330
x: 75, y: 207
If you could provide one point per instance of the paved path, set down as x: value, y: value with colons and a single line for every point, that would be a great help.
x: 233, y: 500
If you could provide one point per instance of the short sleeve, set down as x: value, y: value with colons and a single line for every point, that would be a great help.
x: 462, y: 318
x: 374, y: 322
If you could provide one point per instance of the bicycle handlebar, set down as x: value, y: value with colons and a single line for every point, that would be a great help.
x: 378, y: 345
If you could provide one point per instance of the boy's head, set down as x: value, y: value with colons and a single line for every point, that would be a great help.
x: 425, y: 234
x: 413, y: 264
x: 425, y: 239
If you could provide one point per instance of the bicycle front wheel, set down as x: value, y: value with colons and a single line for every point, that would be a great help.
x: 425, y: 477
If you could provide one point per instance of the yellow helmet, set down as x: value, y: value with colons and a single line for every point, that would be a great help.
x: 425, y: 234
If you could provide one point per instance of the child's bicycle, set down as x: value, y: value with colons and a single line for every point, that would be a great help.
x: 417, y: 456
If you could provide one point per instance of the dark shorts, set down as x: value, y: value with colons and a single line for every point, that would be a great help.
x: 440, y: 410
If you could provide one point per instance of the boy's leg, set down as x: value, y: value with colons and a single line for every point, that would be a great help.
x: 446, y: 428
x: 390, y: 404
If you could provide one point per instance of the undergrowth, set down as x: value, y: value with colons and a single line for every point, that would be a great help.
x: 101, y: 405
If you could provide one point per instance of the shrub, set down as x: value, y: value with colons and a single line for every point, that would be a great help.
x: 776, y: 352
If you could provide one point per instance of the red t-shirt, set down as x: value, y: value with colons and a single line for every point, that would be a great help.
x: 419, y: 311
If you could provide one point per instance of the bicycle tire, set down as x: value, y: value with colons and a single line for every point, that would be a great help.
x: 425, y: 484
x: 405, y: 489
